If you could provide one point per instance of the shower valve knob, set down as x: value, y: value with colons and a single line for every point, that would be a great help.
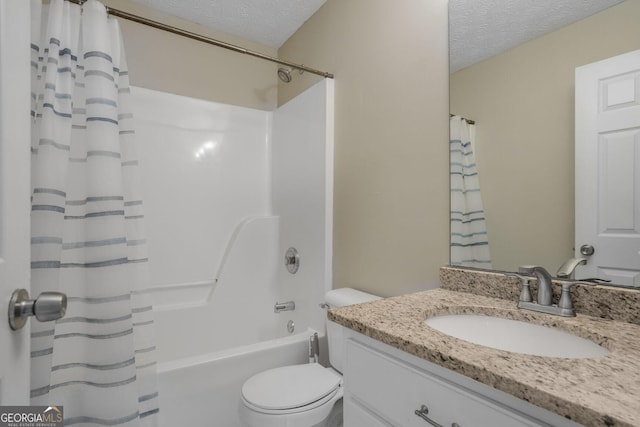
x: 48, y: 306
x: 292, y: 260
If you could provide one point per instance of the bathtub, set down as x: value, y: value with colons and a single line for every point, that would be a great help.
x: 205, y: 390
x: 213, y: 335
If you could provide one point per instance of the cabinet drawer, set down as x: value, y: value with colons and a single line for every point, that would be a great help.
x: 394, y: 390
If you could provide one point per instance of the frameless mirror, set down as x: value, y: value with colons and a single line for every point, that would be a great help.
x: 521, y: 97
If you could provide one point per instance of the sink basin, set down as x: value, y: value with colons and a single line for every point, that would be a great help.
x: 516, y: 336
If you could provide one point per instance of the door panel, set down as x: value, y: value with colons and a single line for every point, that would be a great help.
x: 14, y: 193
x: 608, y: 168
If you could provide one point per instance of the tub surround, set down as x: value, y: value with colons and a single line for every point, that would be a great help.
x: 593, y: 392
x: 263, y: 184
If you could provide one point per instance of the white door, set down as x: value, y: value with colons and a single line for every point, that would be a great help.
x: 14, y: 193
x: 608, y: 168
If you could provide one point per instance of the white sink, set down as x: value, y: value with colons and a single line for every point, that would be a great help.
x: 516, y: 336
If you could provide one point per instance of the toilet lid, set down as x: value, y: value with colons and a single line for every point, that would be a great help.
x: 290, y: 386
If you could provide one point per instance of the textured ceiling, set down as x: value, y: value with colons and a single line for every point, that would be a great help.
x: 268, y: 22
x: 479, y: 29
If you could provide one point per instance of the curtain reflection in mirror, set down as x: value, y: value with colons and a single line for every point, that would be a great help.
x: 469, y: 238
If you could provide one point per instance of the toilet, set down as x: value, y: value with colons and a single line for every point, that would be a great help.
x: 307, y: 395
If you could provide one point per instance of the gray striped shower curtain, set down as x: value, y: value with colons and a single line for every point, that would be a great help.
x: 87, y: 234
x: 469, y: 239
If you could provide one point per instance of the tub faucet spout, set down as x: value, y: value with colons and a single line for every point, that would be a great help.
x: 284, y: 306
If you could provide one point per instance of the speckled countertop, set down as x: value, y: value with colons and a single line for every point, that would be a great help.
x: 601, y: 391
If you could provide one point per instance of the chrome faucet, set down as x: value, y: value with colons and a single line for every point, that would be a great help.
x: 567, y: 269
x: 545, y: 294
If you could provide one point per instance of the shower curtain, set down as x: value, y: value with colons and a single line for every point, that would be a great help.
x: 469, y: 240
x: 87, y: 235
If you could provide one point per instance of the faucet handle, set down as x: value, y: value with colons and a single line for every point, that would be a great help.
x: 565, y: 302
x: 565, y: 298
x: 525, y: 293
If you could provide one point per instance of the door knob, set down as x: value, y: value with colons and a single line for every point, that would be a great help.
x: 587, y: 250
x: 48, y: 306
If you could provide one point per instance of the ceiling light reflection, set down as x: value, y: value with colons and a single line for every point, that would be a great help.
x: 206, y: 149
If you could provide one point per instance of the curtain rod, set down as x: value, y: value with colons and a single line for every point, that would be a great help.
x: 469, y: 121
x: 188, y: 34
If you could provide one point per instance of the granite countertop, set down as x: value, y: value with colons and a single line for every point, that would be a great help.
x: 601, y: 391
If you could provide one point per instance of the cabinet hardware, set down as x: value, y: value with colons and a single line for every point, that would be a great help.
x: 424, y: 411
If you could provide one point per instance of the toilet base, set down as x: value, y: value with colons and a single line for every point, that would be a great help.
x: 336, y: 415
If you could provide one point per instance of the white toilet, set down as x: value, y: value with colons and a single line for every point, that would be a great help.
x: 308, y: 395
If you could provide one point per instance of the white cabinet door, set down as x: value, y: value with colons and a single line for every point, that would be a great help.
x: 608, y: 168
x: 393, y: 391
x: 14, y: 193
x: 355, y: 415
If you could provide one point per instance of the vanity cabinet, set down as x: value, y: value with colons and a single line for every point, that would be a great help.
x: 385, y: 387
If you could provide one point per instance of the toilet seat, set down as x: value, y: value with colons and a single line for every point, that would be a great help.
x: 291, y: 389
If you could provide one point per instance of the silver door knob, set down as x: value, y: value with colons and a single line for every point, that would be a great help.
x: 587, y: 250
x: 48, y: 306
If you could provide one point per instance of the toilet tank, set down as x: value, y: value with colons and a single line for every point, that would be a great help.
x: 335, y: 333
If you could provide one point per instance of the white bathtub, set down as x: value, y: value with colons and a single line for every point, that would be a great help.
x: 204, y: 390
x: 213, y: 336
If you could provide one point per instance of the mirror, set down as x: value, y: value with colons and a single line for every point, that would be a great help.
x: 522, y: 101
